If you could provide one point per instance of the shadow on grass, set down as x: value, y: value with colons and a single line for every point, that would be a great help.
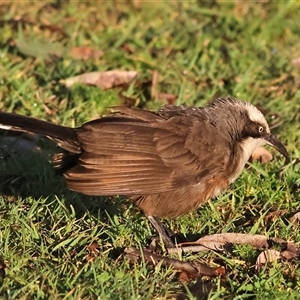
x: 28, y: 173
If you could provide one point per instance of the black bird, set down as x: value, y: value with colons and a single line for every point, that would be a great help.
x: 168, y: 162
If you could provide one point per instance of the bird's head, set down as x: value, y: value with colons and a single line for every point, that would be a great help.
x: 250, y: 125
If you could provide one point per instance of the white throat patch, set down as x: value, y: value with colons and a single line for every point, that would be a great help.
x: 248, y: 146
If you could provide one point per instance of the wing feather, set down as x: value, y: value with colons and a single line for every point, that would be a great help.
x: 145, y: 154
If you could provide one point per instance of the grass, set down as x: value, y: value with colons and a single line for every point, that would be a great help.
x: 201, y: 50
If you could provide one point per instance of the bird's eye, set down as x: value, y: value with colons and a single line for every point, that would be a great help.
x: 260, y: 129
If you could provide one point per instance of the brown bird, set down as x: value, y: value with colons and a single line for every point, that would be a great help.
x: 169, y: 162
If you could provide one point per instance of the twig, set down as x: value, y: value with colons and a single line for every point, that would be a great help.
x: 193, y: 268
x: 219, y: 241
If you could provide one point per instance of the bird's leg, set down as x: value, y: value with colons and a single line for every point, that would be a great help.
x: 164, y: 232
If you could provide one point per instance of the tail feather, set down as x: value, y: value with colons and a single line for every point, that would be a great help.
x: 65, y: 137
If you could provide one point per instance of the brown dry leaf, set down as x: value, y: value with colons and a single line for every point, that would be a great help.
x: 266, y: 256
x: 104, y: 80
x: 52, y: 28
x: 94, y: 251
x: 219, y: 241
x: 86, y: 52
x: 296, y: 61
x: 241, y: 8
x: 262, y: 155
x: 287, y: 254
x: 295, y: 218
x: 128, y: 48
x: 153, y: 245
x: 273, y: 215
x: 185, y: 277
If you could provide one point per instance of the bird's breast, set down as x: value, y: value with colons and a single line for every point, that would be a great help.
x: 181, y: 200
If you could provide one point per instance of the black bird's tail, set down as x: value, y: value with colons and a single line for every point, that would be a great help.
x: 65, y: 137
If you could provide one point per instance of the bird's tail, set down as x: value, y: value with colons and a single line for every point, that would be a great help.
x: 65, y: 137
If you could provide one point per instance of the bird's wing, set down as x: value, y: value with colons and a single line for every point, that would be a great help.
x: 195, y: 150
x: 140, y: 153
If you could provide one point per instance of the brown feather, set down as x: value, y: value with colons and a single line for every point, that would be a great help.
x: 138, y: 153
x: 169, y: 161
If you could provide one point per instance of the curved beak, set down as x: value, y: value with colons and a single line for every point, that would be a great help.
x: 275, y: 143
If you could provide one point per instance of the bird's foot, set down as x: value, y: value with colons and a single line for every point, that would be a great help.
x: 164, y: 232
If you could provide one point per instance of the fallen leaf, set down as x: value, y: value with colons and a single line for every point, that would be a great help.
x: 153, y: 245
x: 54, y: 29
x: 273, y: 215
x: 128, y: 48
x: 86, y: 52
x: 296, y: 61
x: 104, y: 80
x: 296, y: 218
x: 287, y: 254
x: 185, y: 277
x: 266, y: 256
x: 262, y: 155
x: 93, y: 250
x: 219, y: 241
